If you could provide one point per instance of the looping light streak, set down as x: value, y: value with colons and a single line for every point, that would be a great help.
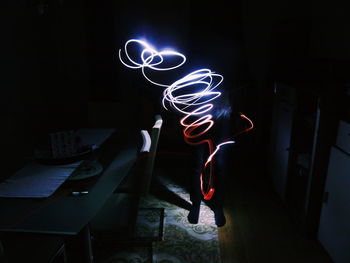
x: 190, y: 95
x: 150, y: 58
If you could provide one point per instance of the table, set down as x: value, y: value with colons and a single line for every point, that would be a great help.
x: 67, y: 215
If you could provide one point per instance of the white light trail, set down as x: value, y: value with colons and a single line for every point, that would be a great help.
x: 190, y: 95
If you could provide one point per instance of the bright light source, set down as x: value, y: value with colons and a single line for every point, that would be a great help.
x: 194, y: 105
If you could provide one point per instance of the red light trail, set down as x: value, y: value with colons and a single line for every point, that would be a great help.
x: 189, y: 95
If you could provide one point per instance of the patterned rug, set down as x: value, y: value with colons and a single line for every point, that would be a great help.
x: 179, y: 241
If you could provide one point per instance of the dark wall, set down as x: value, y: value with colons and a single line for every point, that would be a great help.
x: 60, y: 70
x: 44, y: 76
x: 300, y: 43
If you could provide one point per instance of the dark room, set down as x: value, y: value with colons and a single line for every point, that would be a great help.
x: 179, y: 131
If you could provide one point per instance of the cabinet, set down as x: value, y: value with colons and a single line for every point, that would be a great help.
x: 281, y: 137
x: 295, y: 144
x: 334, y: 227
x: 293, y: 139
x: 281, y: 130
x: 302, y: 154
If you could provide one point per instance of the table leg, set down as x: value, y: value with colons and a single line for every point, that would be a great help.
x: 79, y: 249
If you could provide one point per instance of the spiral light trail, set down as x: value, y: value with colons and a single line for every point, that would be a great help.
x: 191, y: 95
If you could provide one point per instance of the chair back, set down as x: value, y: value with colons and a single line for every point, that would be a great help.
x: 151, y: 155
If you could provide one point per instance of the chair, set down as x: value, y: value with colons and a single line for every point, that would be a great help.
x: 117, y: 219
x: 151, y: 156
x: 145, y: 186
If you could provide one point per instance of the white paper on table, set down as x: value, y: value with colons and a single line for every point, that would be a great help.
x: 36, y: 180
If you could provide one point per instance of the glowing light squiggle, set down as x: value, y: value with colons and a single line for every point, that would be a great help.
x: 190, y: 95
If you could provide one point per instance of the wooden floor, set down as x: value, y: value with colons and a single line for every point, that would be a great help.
x: 258, y: 228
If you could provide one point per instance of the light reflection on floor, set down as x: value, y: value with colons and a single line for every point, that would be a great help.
x: 182, y: 242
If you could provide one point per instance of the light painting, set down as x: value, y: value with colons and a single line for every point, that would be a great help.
x: 193, y: 96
